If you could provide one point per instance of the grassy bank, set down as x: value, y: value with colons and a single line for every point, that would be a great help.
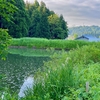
x: 48, y: 43
x: 73, y: 75
x: 66, y: 76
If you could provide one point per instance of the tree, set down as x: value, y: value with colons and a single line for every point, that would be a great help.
x: 58, y: 27
x: 4, y: 42
x: 34, y: 30
x: 45, y: 23
x: 36, y: 4
x: 6, y: 11
x: 19, y: 25
x: 81, y: 30
x: 54, y: 24
x: 64, y: 26
x: 39, y: 26
x: 34, y: 16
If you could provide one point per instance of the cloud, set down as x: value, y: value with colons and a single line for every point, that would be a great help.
x: 76, y: 12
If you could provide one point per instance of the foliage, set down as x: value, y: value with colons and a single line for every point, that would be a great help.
x: 6, y: 11
x: 65, y: 79
x: 8, y: 96
x: 58, y: 27
x: 81, y: 30
x: 39, y: 26
x: 72, y: 37
x: 30, y: 20
x: 5, y: 40
x: 19, y: 25
x: 43, y: 24
x: 49, y: 43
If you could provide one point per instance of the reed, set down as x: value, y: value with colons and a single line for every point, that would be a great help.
x: 49, y: 43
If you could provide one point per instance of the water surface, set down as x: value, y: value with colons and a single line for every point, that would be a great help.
x: 16, y: 68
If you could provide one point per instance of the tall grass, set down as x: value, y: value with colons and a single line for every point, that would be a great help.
x: 45, y: 43
x: 66, y: 75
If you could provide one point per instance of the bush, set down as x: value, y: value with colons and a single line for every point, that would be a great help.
x: 4, y: 42
x: 66, y: 75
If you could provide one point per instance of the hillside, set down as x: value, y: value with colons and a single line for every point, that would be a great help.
x: 80, y: 30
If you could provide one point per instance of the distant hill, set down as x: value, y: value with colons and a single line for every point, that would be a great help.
x: 80, y: 30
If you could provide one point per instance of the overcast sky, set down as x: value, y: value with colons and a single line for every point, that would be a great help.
x: 76, y: 12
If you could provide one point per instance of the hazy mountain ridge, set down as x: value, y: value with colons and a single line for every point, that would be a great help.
x: 80, y: 30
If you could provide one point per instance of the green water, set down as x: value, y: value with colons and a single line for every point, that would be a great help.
x: 17, y: 67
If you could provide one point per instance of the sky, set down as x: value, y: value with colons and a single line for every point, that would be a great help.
x: 76, y: 12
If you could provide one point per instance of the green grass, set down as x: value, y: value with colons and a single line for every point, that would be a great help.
x: 49, y: 43
x: 64, y: 77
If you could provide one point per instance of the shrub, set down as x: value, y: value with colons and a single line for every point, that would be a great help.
x: 65, y: 76
x: 4, y: 42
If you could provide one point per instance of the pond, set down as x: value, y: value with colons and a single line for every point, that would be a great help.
x: 16, y: 68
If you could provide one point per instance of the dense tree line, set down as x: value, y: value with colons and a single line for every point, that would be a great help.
x: 34, y: 20
x: 19, y: 24
x: 80, y: 30
x: 6, y: 12
x: 45, y: 23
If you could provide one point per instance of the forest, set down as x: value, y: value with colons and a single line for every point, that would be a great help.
x: 80, y: 30
x: 31, y: 20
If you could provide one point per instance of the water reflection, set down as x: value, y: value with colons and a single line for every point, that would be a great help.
x: 17, y: 67
x: 27, y: 85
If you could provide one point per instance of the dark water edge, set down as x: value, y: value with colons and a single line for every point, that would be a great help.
x: 16, y: 68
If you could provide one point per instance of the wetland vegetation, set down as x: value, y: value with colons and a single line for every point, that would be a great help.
x: 62, y: 76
